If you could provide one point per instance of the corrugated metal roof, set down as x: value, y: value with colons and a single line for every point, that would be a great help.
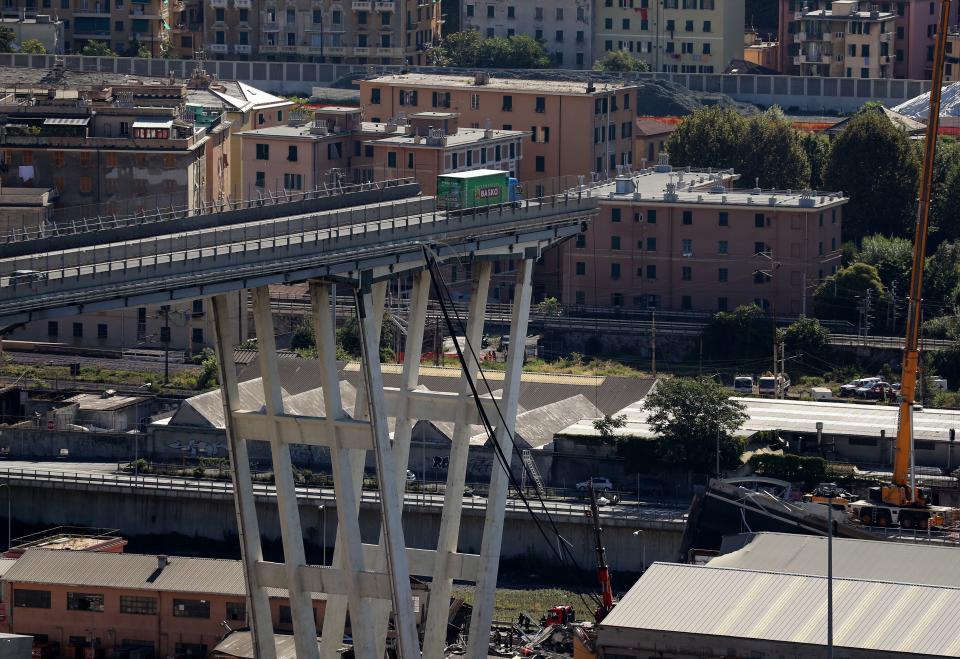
x: 240, y: 644
x: 66, y: 121
x: 133, y: 571
x: 767, y: 606
x: 535, y: 428
x: 856, y: 559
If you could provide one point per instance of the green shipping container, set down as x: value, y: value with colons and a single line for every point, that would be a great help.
x: 480, y: 187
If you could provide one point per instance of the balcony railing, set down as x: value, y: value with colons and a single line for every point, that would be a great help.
x: 361, y: 51
x: 389, y: 5
x: 389, y: 52
x: 220, y: 48
x: 361, y: 5
x: 269, y: 48
x: 243, y: 4
x: 242, y: 49
x: 334, y: 51
x: 218, y: 4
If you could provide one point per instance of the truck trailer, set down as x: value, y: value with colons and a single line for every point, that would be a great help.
x: 476, y: 188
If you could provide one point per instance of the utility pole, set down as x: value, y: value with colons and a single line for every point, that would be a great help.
x: 653, y: 343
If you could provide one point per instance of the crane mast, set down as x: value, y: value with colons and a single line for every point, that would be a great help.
x: 902, y: 492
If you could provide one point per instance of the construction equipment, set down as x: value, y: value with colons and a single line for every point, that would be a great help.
x: 901, y: 501
x: 603, y: 572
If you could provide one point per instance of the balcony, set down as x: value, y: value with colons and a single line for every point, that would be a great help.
x: 361, y: 51
x: 885, y: 59
x: 827, y: 36
x: 361, y: 5
x: 334, y: 51
x: 243, y: 4
x: 95, y: 11
x: 799, y: 37
x: 288, y: 49
x: 218, y: 48
x: 389, y: 52
x: 270, y: 26
x: 242, y: 49
x: 218, y: 4
x: 886, y: 37
x: 385, y: 6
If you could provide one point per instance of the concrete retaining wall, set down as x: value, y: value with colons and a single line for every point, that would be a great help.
x: 803, y: 93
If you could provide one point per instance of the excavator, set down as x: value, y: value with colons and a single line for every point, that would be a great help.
x: 901, y: 502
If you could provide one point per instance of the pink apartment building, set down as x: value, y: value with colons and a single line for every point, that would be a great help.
x: 915, y: 29
x: 688, y: 241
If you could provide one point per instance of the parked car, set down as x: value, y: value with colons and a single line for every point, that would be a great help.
x: 881, y: 391
x: 850, y: 388
x: 27, y: 276
x: 600, y: 483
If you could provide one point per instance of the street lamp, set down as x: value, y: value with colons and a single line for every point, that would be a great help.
x: 643, y: 548
x: 9, y: 522
x: 323, y: 523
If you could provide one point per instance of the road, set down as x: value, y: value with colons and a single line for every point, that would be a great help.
x: 104, y: 474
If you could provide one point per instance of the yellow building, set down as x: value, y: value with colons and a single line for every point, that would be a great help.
x: 675, y: 36
x: 846, y: 41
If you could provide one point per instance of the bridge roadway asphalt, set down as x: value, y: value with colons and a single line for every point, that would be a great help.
x: 105, y: 474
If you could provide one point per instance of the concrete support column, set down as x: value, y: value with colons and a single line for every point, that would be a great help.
x: 499, y: 478
x: 436, y: 628
x: 391, y: 505
x: 301, y: 604
x: 248, y: 528
x: 348, y: 552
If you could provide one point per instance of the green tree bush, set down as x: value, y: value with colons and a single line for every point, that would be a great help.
x: 620, y: 60
x: 837, y: 297
x: 97, y: 49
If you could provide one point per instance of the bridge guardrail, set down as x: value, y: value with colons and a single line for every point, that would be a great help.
x: 324, y: 496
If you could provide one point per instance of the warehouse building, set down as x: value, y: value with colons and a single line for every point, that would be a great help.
x: 693, y: 611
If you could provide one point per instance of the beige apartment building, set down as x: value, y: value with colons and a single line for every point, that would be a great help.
x: 573, y: 128
x: 847, y: 41
x: 689, y: 241
x: 673, y: 36
x: 124, y: 25
x: 333, y: 31
x: 185, y: 36
x: 563, y: 26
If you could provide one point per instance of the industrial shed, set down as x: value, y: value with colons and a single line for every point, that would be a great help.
x: 693, y: 612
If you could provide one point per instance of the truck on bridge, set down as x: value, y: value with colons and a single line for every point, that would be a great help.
x: 473, y: 189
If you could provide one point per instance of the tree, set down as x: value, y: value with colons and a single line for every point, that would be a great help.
x: 620, y: 60
x: 549, y: 307
x: 33, y: 47
x: 941, y: 280
x: 608, y: 423
x: 710, y: 137
x: 839, y: 295
x: 773, y: 153
x: 460, y: 49
x: 741, y: 334
x: 527, y: 53
x: 143, y: 51
x: 806, y: 335
x: 7, y: 37
x: 302, y: 337
x: 892, y: 257
x: 166, y: 50
x: 97, y: 49
x: 690, y: 415
x: 873, y: 162
x: 469, y: 50
x: 817, y: 148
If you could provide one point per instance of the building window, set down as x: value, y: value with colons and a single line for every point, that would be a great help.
x: 614, y: 242
x: 581, y: 268
x: 78, y: 330
x: 540, y: 104
x: 651, y: 217
x: 31, y: 599
x: 581, y: 241
x: 758, y: 220
x: 196, y: 336
x: 53, y: 328
x: 686, y: 247
x: 292, y: 153
x: 722, y: 275
x: 686, y: 303
x: 84, y: 602
x: 541, y: 164
x: 688, y: 217
x: 614, y: 214
x: 724, y: 218
x: 722, y: 247
x: 391, y: 159
x: 263, y: 152
x: 293, y: 181
x: 580, y: 298
x: 190, y: 650
x: 616, y: 299
x: 236, y: 611
x: 86, y: 185
x: 651, y: 272
x: 261, y: 179
x: 686, y: 273
x: 138, y: 605
x: 375, y: 96
x: 184, y: 608
x: 507, y: 104
x: 721, y: 304
x: 101, y: 330
x: 614, y: 271
x: 651, y: 244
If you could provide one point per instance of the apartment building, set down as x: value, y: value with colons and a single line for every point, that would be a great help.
x: 910, y: 48
x: 563, y: 26
x: 687, y: 240
x: 42, y: 27
x: 354, y: 32
x: 845, y: 42
x: 115, y: 604
x: 433, y: 144
x: 674, y: 36
x: 124, y: 25
x: 573, y: 128
x: 185, y: 34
